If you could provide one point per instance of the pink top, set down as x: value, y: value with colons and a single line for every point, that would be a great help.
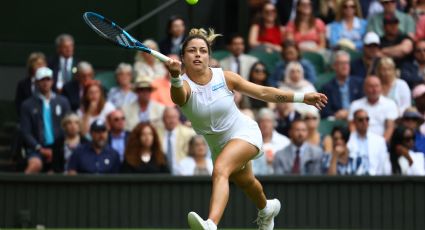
x: 271, y: 35
x: 313, y: 35
x: 420, y: 28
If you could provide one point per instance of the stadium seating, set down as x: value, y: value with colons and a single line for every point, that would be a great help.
x: 220, y: 54
x: 322, y: 79
x: 326, y: 125
x: 107, y: 79
x: 316, y: 59
x: 269, y: 59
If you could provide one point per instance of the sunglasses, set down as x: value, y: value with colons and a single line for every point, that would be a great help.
x: 259, y: 70
x: 420, y: 50
x: 143, y: 90
x: 408, y: 138
x: 310, y: 118
x: 118, y: 119
x: 362, y: 119
x: 349, y: 6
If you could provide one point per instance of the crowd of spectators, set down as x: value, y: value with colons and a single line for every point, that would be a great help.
x: 371, y: 66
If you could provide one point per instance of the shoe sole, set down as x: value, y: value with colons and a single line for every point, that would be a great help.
x: 195, y: 221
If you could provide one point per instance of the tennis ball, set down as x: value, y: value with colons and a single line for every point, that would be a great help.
x: 192, y: 2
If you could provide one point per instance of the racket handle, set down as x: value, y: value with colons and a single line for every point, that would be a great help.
x: 160, y: 56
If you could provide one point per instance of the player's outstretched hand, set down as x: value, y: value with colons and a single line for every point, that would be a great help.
x: 174, y: 67
x: 318, y: 100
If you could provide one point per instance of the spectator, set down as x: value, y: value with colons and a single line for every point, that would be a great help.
x: 147, y: 65
x: 294, y: 81
x: 404, y: 161
x: 63, y: 63
x: 93, y: 105
x: 174, y: 137
x: 414, y: 72
x: 290, y: 53
x: 67, y: 143
x: 348, y: 25
x: 95, y: 157
x: 258, y: 74
x: 272, y: 142
x: 368, y: 150
x: 375, y: 7
x: 375, y: 22
x: 122, y: 94
x: 267, y: 33
x: 366, y: 64
x: 412, y: 119
x: 285, y: 115
x: 175, y: 36
x: 27, y: 86
x: 381, y: 110
x: 343, y: 89
x: 394, y: 43
x: 143, y: 109
x: 238, y: 61
x: 117, y: 136
x: 73, y: 90
x: 40, y: 121
x: 420, y: 28
x: 312, y: 119
x: 162, y: 85
x: 393, y: 87
x: 338, y: 161
x: 418, y: 95
x: 143, y: 153
x: 197, y: 162
x: 328, y: 10
x: 307, y: 31
x: 300, y: 157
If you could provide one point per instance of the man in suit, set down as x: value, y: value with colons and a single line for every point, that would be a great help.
x: 143, y: 109
x: 174, y: 137
x: 40, y: 121
x: 117, y: 136
x: 74, y: 89
x: 343, y: 89
x: 63, y: 63
x: 299, y: 157
x: 238, y: 62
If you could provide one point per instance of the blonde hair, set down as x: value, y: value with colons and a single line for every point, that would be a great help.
x: 70, y: 117
x: 201, y: 33
x: 386, y: 62
x: 339, y: 12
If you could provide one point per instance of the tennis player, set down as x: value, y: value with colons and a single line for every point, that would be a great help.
x: 205, y: 96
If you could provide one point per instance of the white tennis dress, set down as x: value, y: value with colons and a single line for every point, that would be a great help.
x: 214, y: 114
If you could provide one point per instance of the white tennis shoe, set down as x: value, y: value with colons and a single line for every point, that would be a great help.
x: 197, y: 223
x: 265, y: 219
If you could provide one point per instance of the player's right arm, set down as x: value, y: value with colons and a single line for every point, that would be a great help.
x: 179, y: 95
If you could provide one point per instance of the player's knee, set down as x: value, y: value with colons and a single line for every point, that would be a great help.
x: 220, y: 172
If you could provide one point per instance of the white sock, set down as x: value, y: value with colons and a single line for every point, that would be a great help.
x: 266, y: 209
x: 212, y: 223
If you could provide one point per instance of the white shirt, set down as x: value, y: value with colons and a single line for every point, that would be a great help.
x: 107, y: 108
x: 187, y: 165
x: 418, y: 166
x: 401, y: 95
x: 120, y: 98
x: 384, y: 109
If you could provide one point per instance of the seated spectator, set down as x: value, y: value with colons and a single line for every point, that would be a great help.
x: 162, y: 93
x: 67, y: 143
x: 174, y: 137
x: 93, y: 105
x: 393, y: 87
x: 300, y: 157
x: 122, y: 94
x: 412, y: 119
x: 406, y: 23
x: 294, y: 81
x: 290, y: 53
x: 348, y: 25
x: 272, y: 142
x: 414, y: 72
x: 143, y: 109
x: 197, y: 162
x: 395, y: 44
x: 285, y: 115
x: 404, y: 161
x: 73, y: 90
x: 312, y: 119
x: 266, y: 34
x: 366, y: 64
x: 258, y: 74
x: 147, y: 65
x: 175, y: 36
x: 420, y: 28
x: 238, y: 61
x: 27, y: 86
x: 374, y: 7
x: 338, y: 161
x: 418, y: 95
x: 368, y: 150
x: 117, y: 136
x: 40, y: 122
x: 95, y: 157
x: 143, y: 153
x: 381, y: 110
x: 63, y: 63
x: 307, y: 31
x: 343, y: 89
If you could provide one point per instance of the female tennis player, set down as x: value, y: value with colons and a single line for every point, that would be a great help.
x: 205, y: 96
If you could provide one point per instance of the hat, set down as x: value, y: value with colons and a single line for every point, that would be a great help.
x: 371, y: 38
x: 43, y: 72
x: 412, y: 114
x: 346, y: 43
x: 98, y: 126
x: 143, y: 82
x: 390, y: 19
x: 418, y: 91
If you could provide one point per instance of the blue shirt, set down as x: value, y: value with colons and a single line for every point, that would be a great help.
x: 86, y: 160
x: 345, y: 94
x: 47, y: 122
x: 118, y: 144
x: 339, y: 30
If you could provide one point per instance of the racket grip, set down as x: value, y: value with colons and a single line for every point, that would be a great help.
x: 160, y: 56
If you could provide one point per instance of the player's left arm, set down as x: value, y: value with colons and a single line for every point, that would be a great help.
x: 270, y: 94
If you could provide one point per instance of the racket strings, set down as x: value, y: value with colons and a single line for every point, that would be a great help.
x: 110, y: 31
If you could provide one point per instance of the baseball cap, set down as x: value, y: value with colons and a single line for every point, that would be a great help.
x: 371, y: 38
x: 98, y: 126
x: 418, y: 91
x: 390, y: 19
x: 43, y: 72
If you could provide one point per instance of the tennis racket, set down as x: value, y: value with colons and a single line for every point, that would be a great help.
x: 115, y: 34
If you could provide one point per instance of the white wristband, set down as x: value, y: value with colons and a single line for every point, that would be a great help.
x: 176, y: 82
x: 299, y: 97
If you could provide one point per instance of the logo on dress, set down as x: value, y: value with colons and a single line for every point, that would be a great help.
x: 218, y: 86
